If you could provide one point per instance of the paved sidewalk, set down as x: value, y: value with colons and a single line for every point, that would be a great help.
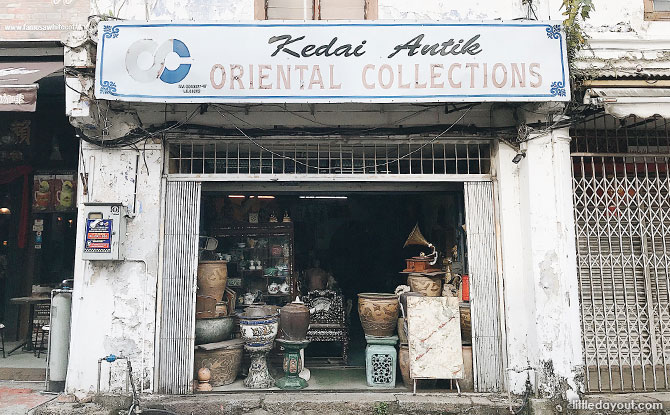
x: 17, y: 398
x: 301, y: 403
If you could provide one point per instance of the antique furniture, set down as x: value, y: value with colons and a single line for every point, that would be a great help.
x: 434, y: 338
x: 31, y: 302
x: 260, y: 254
x: 40, y: 326
x: 380, y: 361
x: 292, y: 364
x: 328, y: 320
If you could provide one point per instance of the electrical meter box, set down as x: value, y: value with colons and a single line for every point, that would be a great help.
x: 105, y: 226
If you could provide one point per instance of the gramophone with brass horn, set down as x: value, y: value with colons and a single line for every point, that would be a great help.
x: 423, y: 262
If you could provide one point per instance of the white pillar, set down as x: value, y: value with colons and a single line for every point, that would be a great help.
x: 114, y: 302
x: 539, y: 266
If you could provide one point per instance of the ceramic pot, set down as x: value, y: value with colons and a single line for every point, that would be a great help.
x: 259, y: 325
x: 294, y: 321
x: 403, y: 362
x: 212, y: 277
x: 223, y: 361
x: 428, y: 286
x: 211, y: 330
x: 378, y: 313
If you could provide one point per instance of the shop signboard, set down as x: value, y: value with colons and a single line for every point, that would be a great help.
x: 348, y: 61
x: 21, y: 98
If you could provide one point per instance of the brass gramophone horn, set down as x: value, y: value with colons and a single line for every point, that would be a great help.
x: 416, y: 238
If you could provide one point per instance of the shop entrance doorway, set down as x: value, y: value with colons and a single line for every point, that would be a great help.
x: 366, y: 228
x: 344, y: 242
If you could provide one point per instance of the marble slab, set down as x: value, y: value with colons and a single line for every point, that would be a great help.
x: 434, y: 337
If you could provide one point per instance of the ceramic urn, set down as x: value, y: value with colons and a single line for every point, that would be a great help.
x: 294, y: 321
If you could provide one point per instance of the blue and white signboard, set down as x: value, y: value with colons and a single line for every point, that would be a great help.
x: 329, y: 61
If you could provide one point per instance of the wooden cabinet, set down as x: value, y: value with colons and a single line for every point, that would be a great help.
x: 260, y: 259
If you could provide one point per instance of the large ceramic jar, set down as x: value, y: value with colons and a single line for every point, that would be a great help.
x: 259, y: 325
x: 428, y: 286
x: 212, y: 277
x: 294, y: 321
x: 378, y: 313
x: 222, y: 359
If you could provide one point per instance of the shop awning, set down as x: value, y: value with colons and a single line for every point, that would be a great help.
x: 624, y: 102
x: 18, y: 83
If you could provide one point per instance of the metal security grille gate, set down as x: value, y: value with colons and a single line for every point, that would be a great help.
x: 622, y: 215
x: 180, y: 265
x: 486, y: 336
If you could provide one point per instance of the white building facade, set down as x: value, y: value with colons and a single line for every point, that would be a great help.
x: 524, y: 252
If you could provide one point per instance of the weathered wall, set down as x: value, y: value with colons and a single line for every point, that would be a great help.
x: 539, y: 266
x: 114, y: 303
x: 197, y: 10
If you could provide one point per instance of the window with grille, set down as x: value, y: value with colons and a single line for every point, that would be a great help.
x: 316, y: 9
x: 656, y: 9
x: 274, y: 157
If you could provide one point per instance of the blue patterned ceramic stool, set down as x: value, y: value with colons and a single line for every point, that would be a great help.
x: 380, y: 361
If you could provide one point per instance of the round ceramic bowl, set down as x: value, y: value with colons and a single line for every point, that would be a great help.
x: 212, y: 330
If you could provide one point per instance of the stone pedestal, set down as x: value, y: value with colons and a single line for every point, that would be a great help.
x: 292, y: 364
x: 380, y: 361
x: 259, y: 376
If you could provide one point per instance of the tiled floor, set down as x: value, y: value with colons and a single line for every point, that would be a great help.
x: 336, y: 379
x: 22, y: 365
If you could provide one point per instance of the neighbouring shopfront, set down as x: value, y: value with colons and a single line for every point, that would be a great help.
x: 301, y: 166
x: 620, y: 179
x: 38, y: 158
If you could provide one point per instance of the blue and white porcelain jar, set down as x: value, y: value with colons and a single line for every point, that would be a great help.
x: 259, y: 325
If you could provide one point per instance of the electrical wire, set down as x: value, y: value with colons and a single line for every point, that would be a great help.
x: 387, y: 163
x: 140, y: 134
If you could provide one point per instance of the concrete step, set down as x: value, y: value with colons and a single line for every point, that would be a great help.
x: 304, y: 403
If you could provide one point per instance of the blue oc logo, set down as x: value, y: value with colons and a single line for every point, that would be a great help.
x: 159, y: 53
